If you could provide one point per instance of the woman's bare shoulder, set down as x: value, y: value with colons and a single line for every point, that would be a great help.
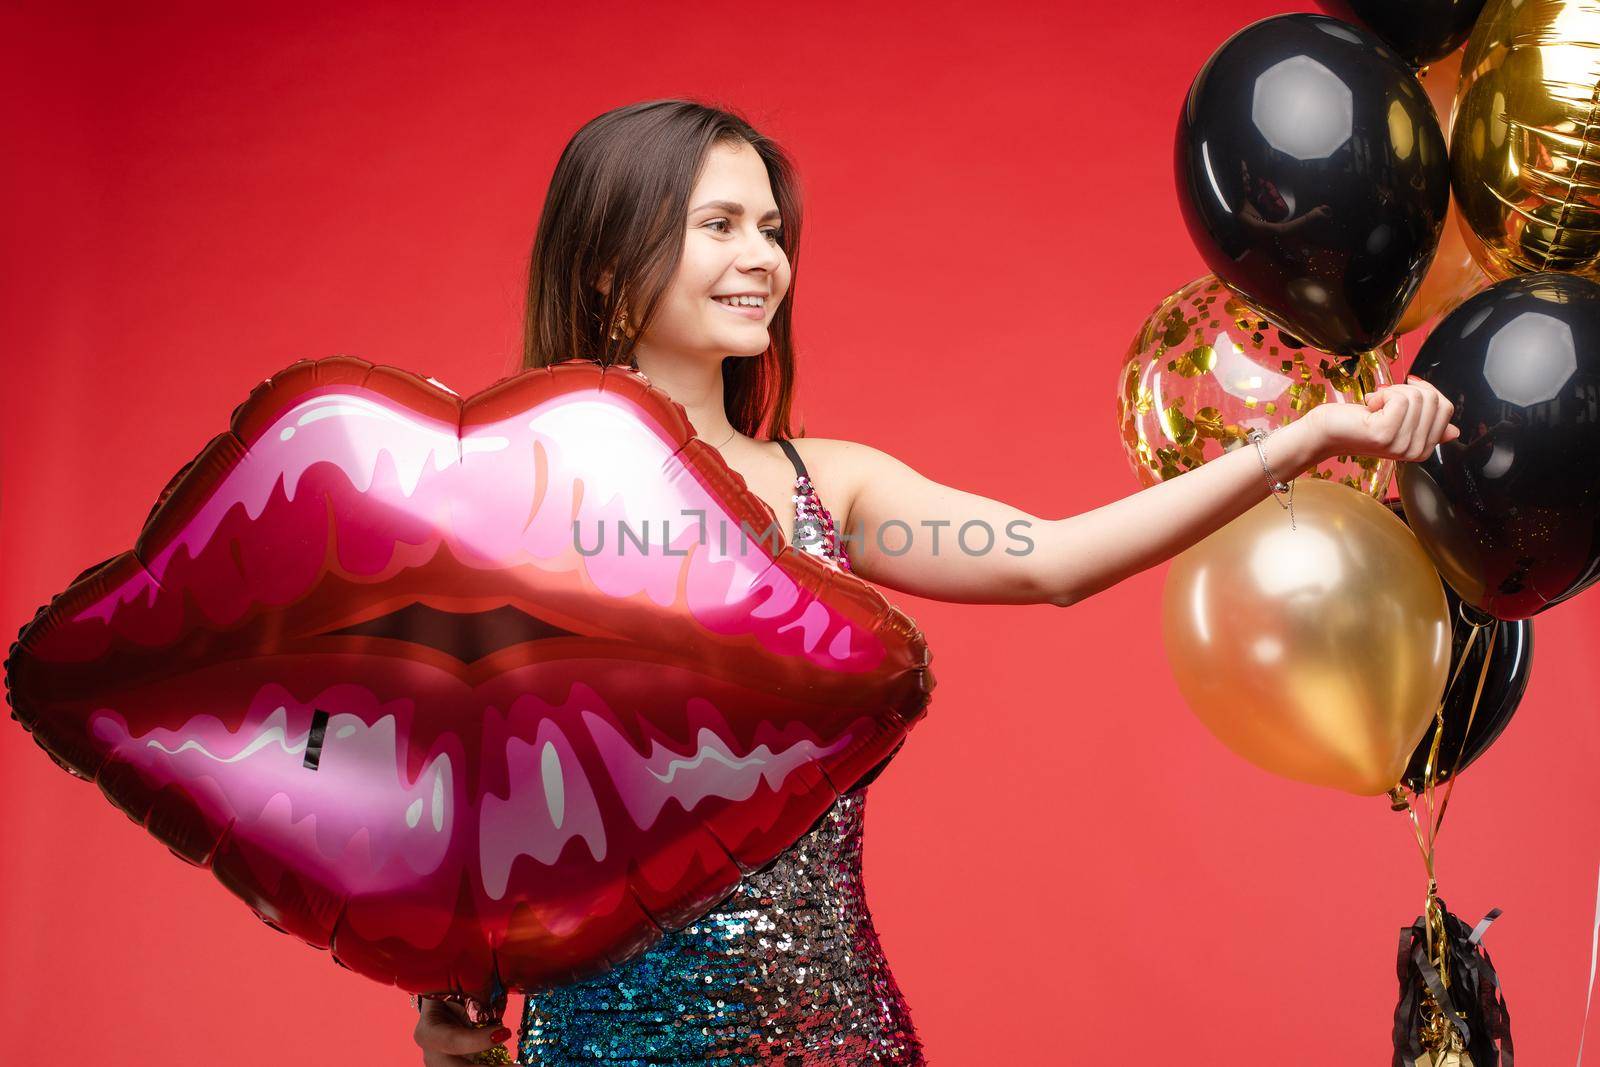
x: 838, y: 469
x: 822, y: 455
x: 834, y: 456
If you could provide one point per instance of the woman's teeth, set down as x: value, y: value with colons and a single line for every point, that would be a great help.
x: 741, y: 301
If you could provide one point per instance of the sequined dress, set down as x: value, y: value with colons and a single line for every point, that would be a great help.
x: 788, y: 970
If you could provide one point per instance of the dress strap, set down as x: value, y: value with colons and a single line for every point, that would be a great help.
x: 794, y: 457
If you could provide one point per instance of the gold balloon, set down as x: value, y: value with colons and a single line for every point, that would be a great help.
x: 1206, y: 368
x: 1526, y: 158
x: 1318, y: 653
x: 1454, y: 274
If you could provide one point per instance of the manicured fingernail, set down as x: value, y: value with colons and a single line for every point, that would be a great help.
x: 500, y: 1035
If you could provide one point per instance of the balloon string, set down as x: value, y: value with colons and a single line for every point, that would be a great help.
x: 1430, y: 770
x: 1466, y: 652
x: 1425, y: 841
x: 1434, y: 931
x: 1477, y: 695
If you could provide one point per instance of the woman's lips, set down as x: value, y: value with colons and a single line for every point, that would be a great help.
x: 407, y: 580
x: 744, y: 312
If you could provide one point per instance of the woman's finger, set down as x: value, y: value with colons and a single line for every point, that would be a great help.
x: 1441, y: 413
x: 439, y: 1029
x: 1441, y: 421
x: 1391, y: 418
x: 1405, y: 403
x: 1420, y: 443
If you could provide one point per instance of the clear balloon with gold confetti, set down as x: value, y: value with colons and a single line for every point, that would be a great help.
x: 1206, y: 369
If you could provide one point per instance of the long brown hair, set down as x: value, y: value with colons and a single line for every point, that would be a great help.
x: 617, y: 204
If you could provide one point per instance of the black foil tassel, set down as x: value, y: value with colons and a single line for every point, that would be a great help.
x: 1473, y: 1003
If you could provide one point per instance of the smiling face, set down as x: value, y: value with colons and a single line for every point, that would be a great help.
x: 731, y: 247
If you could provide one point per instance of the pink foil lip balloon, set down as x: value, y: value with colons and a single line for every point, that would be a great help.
x: 361, y: 663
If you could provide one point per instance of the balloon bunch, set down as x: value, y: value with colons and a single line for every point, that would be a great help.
x: 1426, y: 163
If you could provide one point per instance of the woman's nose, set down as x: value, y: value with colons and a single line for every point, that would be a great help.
x: 760, y: 253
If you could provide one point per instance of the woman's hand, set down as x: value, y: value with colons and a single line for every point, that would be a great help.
x: 447, y: 1038
x: 1399, y: 422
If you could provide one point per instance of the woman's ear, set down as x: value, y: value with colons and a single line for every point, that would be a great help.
x: 603, y: 283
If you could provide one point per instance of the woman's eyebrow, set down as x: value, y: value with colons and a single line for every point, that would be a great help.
x: 732, y: 208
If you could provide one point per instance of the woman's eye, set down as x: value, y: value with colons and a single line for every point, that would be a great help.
x: 774, y: 234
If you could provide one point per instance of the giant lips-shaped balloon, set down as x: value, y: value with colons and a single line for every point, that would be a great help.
x: 364, y: 663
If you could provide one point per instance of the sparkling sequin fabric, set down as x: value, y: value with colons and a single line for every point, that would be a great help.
x: 813, y: 523
x: 787, y: 971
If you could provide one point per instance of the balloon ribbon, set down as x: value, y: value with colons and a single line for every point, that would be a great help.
x: 1443, y: 954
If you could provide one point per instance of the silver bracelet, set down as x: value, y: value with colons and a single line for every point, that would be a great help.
x: 1282, y: 492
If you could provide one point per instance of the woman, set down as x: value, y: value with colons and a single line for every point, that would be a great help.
x: 668, y: 243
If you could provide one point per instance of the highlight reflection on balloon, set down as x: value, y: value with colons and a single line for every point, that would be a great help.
x: 1317, y: 653
x: 1205, y: 369
x: 1524, y: 162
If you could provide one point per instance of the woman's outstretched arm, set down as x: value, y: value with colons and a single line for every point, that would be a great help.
x: 904, y: 531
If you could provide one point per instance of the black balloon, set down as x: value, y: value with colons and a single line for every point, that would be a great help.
x: 1420, y: 30
x: 1313, y: 177
x: 1510, y: 664
x: 1510, y: 510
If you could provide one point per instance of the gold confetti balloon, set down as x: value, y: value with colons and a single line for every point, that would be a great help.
x: 1205, y: 369
x: 1317, y: 651
x: 1525, y: 161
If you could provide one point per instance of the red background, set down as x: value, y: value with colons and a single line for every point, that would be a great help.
x: 1064, y: 865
